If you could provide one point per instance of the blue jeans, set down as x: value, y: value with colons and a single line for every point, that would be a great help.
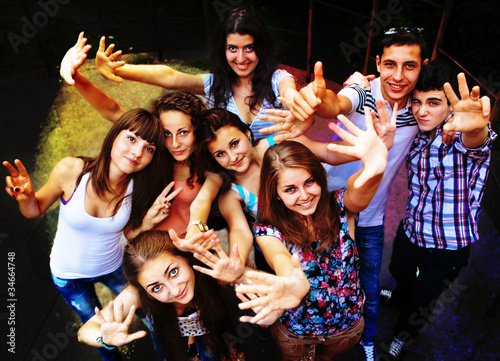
x: 81, y: 297
x: 370, y: 244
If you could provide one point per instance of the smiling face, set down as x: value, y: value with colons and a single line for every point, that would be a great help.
x: 168, y: 279
x: 298, y: 190
x: 430, y: 109
x: 399, y: 68
x: 240, y: 54
x: 179, y: 134
x: 232, y: 149
x: 130, y: 153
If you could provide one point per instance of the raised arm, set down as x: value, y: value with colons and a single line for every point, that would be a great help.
x: 369, y: 148
x: 110, y: 324
x: 200, y: 207
x: 161, y: 75
x: 239, y: 230
x: 316, y: 98
x: 73, y: 59
x: 61, y: 182
x: 471, y: 114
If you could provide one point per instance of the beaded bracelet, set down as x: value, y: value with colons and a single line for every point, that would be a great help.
x: 99, y: 340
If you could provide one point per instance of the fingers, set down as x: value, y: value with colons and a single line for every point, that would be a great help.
x: 463, y: 89
x: 208, y: 271
x: 173, y: 194
x: 130, y: 316
x: 118, y: 312
x: 115, y: 55
x: 102, y: 44
x: 235, y: 254
x: 296, y: 261
x: 275, y: 115
x: 100, y: 317
x: 485, y: 105
x: 136, y: 335
x: 173, y: 235
x: 13, y: 172
x: 383, y: 113
x: 273, y: 129
x: 318, y: 73
x: 369, y: 120
x: 109, y: 50
x: 348, y: 137
x: 22, y: 169
x: 165, y: 191
x: 111, y: 307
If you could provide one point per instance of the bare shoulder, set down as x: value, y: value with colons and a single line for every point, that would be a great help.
x: 68, y: 168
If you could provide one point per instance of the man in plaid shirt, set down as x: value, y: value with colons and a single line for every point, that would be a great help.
x: 447, y: 169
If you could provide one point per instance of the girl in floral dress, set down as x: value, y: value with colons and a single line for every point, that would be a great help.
x: 299, y: 216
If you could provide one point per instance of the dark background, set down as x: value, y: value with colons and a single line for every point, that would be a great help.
x: 34, y: 36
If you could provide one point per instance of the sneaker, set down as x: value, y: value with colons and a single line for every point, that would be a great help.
x: 385, y: 294
x: 396, y: 348
x: 369, y: 349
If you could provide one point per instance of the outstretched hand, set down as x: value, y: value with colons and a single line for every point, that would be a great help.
x: 275, y: 292
x: 115, y: 330
x: 19, y: 185
x: 366, y: 146
x: 221, y: 267
x: 471, y: 113
x: 107, y: 62
x: 73, y: 59
x: 197, y: 243
x: 266, y: 321
x: 286, y: 123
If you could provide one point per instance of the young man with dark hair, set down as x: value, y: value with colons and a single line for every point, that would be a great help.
x: 399, y: 64
x: 447, y: 169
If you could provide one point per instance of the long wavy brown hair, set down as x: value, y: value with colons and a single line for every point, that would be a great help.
x: 145, y: 125
x: 273, y: 211
x: 207, y: 297
x: 244, y: 22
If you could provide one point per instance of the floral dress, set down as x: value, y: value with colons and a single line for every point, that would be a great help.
x: 335, y: 301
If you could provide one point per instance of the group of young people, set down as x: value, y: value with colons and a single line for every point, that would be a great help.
x: 313, y: 212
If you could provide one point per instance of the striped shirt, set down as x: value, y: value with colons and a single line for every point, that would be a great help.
x: 446, y: 184
x: 406, y: 130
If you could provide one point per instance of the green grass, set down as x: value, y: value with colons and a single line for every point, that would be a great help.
x: 74, y: 128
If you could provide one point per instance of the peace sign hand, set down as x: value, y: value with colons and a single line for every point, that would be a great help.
x: 160, y: 209
x: 19, y: 185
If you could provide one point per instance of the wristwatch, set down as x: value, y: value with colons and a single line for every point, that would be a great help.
x: 202, y: 226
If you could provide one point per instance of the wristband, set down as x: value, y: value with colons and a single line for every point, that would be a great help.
x: 99, y: 340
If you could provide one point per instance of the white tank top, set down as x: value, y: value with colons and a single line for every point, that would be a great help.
x: 87, y: 246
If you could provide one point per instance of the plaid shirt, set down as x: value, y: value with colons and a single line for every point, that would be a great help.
x: 446, y: 184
